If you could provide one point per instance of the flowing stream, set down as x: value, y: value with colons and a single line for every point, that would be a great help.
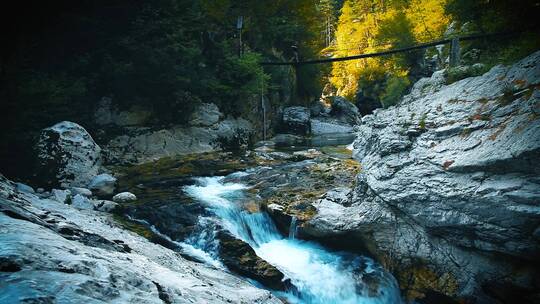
x: 318, y: 275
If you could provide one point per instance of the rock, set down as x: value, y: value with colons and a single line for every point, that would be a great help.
x: 124, y: 197
x: 105, y: 206
x: 309, y: 153
x: 296, y: 120
x: 339, y: 195
x: 107, y: 114
x: 82, y: 202
x: 320, y: 126
x: 457, y: 199
x: 288, y: 140
x: 205, y: 115
x: 320, y: 108
x: 233, y: 134
x: 103, y: 185
x: 47, y: 246
x: 342, y: 117
x: 61, y: 196
x: 140, y: 145
x: 241, y: 258
x: 345, y: 111
x: 40, y: 190
x: 67, y: 156
x: 24, y: 188
x: 82, y: 191
x: 280, y: 218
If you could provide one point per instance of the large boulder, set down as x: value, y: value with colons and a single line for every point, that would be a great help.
x: 296, y: 120
x: 140, y: 145
x: 206, y: 114
x: 67, y: 156
x: 345, y: 111
x: 341, y: 118
x: 449, y: 187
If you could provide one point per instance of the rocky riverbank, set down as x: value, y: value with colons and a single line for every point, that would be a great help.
x: 53, y: 252
x: 448, y: 194
x: 441, y: 189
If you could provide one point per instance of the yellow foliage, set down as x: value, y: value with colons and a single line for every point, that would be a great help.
x: 359, y: 32
x: 428, y: 18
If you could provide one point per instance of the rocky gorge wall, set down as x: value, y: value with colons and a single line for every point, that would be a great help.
x: 448, y: 197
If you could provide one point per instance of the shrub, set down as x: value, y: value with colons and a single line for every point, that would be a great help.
x: 461, y: 72
x: 395, y: 88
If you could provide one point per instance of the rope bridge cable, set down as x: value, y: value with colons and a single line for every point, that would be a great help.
x: 388, y: 52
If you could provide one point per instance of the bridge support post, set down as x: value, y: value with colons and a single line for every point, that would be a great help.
x: 454, y: 52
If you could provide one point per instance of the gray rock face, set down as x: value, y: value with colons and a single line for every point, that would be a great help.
x: 67, y: 156
x: 61, y: 196
x: 323, y: 125
x: 105, y: 206
x: 345, y: 111
x: 341, y: 118
x: 47, y: 247
x: 450, y: 178
x: 24, y: 188
x: 205, y: 115
x: 103, y: 184
x: 107, y: 114
x: 82, y: 191
x: 82, y: 202
x: 143, y: 144
x: 296, y: 120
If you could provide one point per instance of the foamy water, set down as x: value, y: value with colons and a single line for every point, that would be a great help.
x: 319, y: 275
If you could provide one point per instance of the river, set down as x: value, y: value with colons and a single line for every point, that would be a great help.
x: 318, y: 274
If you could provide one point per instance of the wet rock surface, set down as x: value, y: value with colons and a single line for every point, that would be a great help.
x: 449, y: 190
x: 242, y: 259
x: 67, y: 156
x: 47, y: 246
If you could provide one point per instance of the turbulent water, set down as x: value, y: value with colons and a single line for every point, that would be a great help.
x: 319, y: 276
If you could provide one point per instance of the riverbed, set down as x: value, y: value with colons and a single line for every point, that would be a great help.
x: 187, y: 211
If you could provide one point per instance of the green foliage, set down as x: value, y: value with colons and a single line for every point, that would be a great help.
x: 496, y: 15
x: 394, y: 89
x: 454, y: 74
x: 374, y: 26
x: 422, y: 122
x: 165, y: 56
x: 519, y: 19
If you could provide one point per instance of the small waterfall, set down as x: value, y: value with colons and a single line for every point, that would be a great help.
x: 320, y: 276
x: 293, y: 228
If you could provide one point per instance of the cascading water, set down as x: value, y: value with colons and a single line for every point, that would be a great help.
x: 320, y: 276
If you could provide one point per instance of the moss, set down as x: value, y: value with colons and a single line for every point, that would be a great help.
x: 454, y: 74
x: 466, y: 132
x: 178, y: 167
x: 133, y: 226
x: 422, y: 122
x: 419, y: 279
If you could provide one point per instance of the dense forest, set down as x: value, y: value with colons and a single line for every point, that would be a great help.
x: 61, y: 57
x: 378, y: 25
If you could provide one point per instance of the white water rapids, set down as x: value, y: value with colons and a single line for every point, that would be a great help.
x: 319, y: 275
